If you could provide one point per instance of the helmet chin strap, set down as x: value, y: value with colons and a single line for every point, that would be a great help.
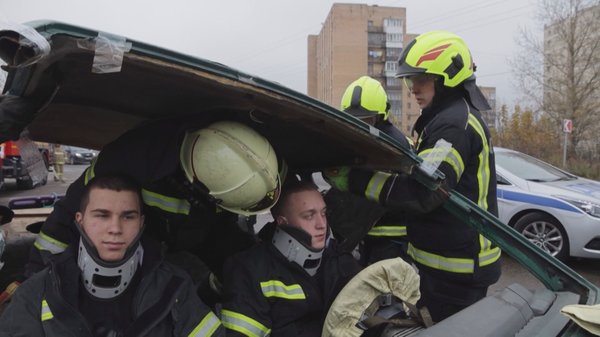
x: 291, y: 242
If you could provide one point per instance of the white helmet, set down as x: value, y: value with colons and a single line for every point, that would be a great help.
x: 236, y: 164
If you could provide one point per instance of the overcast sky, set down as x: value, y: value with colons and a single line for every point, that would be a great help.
x: 268, y: 38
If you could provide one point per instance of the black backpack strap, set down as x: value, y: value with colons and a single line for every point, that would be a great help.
x: 156, y: 313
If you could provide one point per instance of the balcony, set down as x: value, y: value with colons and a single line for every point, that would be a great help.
x: 375, y: 29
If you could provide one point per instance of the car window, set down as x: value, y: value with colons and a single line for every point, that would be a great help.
x: 529, y: 168
x: 501, y: 180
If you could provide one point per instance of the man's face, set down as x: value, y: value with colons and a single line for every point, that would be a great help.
x: 306, y: 210
x: 422, y: 86
x: 112, y: 220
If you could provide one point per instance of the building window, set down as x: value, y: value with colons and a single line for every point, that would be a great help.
x: 393, y: 53
x: 393, y: 82
x: 370, y: 70
x: 376, y: 38
x: 392, y: 22
x: 370, y: 23
x: 391, y: 66
x: 394, y: 37
x: 375, y: 54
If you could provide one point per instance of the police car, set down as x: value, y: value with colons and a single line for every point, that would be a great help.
x: 554, y: 209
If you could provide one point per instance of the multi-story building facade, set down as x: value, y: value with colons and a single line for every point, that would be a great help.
x: 359, y: 40
x: 490, y: 116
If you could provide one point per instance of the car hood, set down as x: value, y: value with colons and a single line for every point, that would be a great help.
x: 578, y: 188
x: 584, y: 188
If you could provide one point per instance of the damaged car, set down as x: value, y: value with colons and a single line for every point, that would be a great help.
x: 86, y: 88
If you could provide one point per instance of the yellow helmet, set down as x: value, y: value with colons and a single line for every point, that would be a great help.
x: 237, y: 165
x: 440, y: 53
x: 365, y: 97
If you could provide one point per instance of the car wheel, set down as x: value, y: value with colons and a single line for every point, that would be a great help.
x: 25, y: 184
x: 545, y: 232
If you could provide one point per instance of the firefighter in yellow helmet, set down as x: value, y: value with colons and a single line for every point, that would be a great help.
x: 366, y: 99
x: 456, y: 263
x: 196, y: 179
x: 351, y: 217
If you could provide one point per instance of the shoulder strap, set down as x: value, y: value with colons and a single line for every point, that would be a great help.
x: 156, y: 313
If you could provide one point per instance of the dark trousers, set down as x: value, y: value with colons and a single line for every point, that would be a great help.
x: 444, y: 297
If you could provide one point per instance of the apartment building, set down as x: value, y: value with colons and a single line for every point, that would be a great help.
x: 357, y: 40
x: 490, y: 116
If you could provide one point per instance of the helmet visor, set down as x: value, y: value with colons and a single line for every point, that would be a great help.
x: 418, y: 80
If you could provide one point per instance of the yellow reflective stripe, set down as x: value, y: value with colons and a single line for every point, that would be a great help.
x: 489, y: 257
x: 451, y: 264
x: 453, y: 159
x: 45, y: 242
x: 484, y: 243
x: 454, y: 265
x: 243, y: 324
x: 387, y: 231
x: 276, y: 288
x: 46, y: 312
x: 90, y: 171
x: 209, y: 324
x: 376, y: 185
x: 487, y: 254
x: 483, y: 171
x: 169, y: 204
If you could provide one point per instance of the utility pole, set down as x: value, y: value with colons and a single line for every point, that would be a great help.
x: 567, y: 128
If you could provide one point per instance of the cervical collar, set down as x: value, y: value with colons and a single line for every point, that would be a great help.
x: 107, y: 280
x: 292, y: 243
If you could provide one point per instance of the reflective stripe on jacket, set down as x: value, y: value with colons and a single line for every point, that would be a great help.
x: 266, y: 295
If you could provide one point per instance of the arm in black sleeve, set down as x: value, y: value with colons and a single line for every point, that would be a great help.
x: 396, y: 191
x: 58, y: 230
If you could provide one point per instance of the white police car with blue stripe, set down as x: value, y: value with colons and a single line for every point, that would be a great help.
x: 554, y: 209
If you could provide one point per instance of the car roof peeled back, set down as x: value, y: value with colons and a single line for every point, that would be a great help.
x: 90, y: 108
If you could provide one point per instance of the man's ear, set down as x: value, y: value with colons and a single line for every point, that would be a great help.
x: 79, y: 218
x: 281, y: 220
x: 143, y: 220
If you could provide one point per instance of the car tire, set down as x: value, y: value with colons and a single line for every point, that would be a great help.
x: 25, y: 184
x: 545, y: 232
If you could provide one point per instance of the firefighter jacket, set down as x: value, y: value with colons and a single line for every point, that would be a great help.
x: 149, y: 154
x: 265, y: 294
x: 440, y: 242
x: 164, y: 303
x: 387, y: 238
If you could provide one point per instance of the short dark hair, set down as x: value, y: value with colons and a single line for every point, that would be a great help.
x: 290, y: 187
x: 111, y: 182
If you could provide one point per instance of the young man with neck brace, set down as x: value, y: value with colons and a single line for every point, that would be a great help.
x: 112, y: 283
x: 285, y: 285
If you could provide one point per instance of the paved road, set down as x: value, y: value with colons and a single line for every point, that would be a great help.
x: 511, y: 271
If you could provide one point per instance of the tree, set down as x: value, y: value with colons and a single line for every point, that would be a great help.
x: 522, y: 131
x: 561, y: 73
